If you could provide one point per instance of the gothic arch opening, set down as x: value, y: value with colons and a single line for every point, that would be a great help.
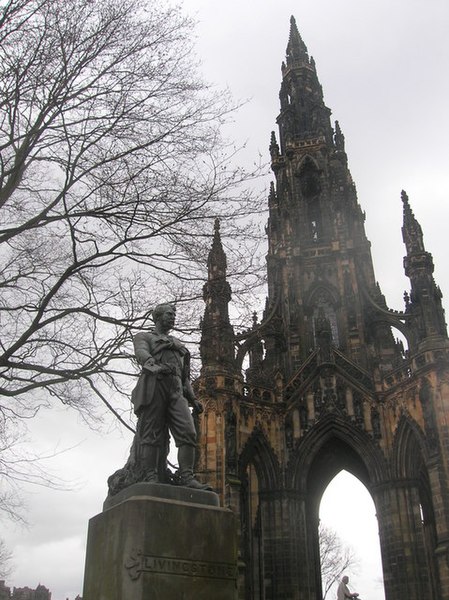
x: 259, y: 474
x: 410, y: 462
x: 332, y: 446
x: 332, y: 456
x: 347, y: 509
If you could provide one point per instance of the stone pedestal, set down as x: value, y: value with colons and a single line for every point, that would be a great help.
x: 161, y: 542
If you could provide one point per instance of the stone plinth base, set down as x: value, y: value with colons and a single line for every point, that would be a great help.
x: 145, y: 545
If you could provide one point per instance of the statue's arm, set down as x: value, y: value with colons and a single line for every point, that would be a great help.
x: 142, y: 350
x: 189, y: 394
x: 188, y: 391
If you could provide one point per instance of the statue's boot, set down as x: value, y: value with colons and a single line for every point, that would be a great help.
x: 164, y: 473
x: 186, y: 460
x: 150, y: 462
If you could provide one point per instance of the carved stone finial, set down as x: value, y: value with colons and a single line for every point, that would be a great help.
x: 296, y: 49
x: 406, y: 299
x: 255, y: 320
x: 411, y: 229
x: 272, y: 192
x: 274, y: 146
x: 339, y: 138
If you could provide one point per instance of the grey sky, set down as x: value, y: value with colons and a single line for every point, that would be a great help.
x: 383, y: 66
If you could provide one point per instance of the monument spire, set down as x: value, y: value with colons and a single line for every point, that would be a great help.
x: 296, y: 48
x: 303, y: 112
x: 411, y: 229
x: 426, y: 297
x: 216, y: 262
x: 217, y: 335
x: 313, y: 208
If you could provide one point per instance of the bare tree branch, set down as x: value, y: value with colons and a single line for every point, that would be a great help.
x: 5, y: 560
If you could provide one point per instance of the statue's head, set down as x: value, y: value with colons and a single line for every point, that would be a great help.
x: 164, y: 314
x: 345, y: 579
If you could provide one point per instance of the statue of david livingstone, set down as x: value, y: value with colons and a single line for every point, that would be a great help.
x: 161, y: 402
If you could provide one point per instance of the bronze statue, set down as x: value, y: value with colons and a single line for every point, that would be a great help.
x: 161, y: 401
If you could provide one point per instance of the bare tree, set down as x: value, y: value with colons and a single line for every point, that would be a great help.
x: 109, y: 179
x: 5, y: 560
x: 336, y: 558
x: 111, y: 173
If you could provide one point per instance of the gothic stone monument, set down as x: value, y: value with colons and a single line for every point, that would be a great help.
x: 328, y: 386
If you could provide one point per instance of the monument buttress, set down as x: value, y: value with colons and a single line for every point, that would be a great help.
x: 327, y: 385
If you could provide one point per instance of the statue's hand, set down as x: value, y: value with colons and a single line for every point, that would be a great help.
x: 197, y: 406
x: 151, y: 366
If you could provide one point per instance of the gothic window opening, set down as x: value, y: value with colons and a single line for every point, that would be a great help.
x: 314, y: 228
x: 421, y: 512
x: 314, y: 219
x: 324, y: 317
x: 309, y: 179
x: 401, y: 342
x: 429, y: 529
x: 246, y: 363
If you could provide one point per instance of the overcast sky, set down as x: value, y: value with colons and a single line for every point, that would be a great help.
x: 383, y: 65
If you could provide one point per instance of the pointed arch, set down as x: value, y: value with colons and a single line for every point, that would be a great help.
x: 323, y: 299
x: 258, y: 452
x: 259, y: 474
x: 333, y: 444
x: 320, y: 289
x: 410, y: 466
x: 409, y: 449
x: 308, y: 162
x: 309, y: 180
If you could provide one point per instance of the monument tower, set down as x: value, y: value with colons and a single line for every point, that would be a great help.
x: 320, y: 383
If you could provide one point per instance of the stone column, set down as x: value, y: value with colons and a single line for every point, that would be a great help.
x: 401, y: 533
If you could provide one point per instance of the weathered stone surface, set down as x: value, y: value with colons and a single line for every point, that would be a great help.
x: 161, y: 548
x: 161, y: 490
